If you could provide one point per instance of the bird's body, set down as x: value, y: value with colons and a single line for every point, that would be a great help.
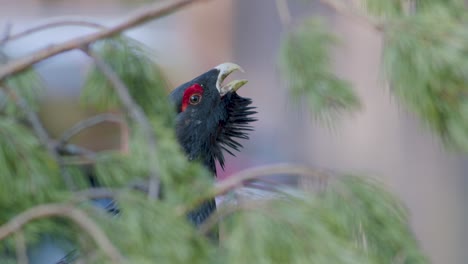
x: 209, y: 119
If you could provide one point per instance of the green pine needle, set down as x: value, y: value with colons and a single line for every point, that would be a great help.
x: 27, y: 170
x: 305, y: 66
x: 26, y: 84
x: 355, y: 217
x: 133, y: 62
x: 425, y: 60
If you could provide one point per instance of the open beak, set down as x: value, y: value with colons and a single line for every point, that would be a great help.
x: 224, y: 70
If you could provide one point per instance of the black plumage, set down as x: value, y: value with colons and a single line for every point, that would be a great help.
x: 212, y: 124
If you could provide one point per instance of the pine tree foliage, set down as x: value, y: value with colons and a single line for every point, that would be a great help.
x: 305, y: 66
x: 425, y: 60
x: 133, y: 62
x: 27, y: 84
x: 351, y: 217
x: 355, y: 220
x: 399, y: 8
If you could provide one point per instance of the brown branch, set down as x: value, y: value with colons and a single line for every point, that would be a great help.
x: 63, y: 210
x: 149, y: 12
x: 262, y: 171
x: 354, y: 13
x: 135, y: 111
x: 41, y: 134
x: 21, y: 251
x: 239, y: 178
x: 87, y: 123
x: 56, y: 22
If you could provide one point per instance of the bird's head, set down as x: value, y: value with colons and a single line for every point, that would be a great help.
x: 211, y: 115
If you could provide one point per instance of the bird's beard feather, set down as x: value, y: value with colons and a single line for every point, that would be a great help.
x: 205, y: 135
x: 235, y: 126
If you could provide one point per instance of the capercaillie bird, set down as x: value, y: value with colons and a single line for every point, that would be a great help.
x: 210, y: 118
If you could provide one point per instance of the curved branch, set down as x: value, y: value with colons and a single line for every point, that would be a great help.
x: 53, y: 23
x: 149, y: 12
x: 135, y: 111
x: 63, y: 210
x: 21, y: 250
x: 239, y: 178
x: 41, y: 134
x: 87, y: 123
x: 261, y: 171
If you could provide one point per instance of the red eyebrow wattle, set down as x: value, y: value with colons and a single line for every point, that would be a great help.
x: 194, y: 89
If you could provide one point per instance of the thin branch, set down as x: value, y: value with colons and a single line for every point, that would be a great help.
x: 41, y: 134
x: 94, y: 193
x: 239, y: 178
x: 227, y: 210
x: 283, y: 12
x: 33, y: 119
x: 21, y: 251
x: 135, y: 111
x: 348, y: 11
x: 53, y: 23
x: 87, y: 123
x: 6, y: 32
x: 156, y: 10
x: 249, y: 174
x: 64, y: 210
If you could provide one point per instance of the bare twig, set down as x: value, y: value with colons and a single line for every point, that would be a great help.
x: 55, y: 22
x: 41, y: 133
x: 135, y: 111
x: 350, y: 11
x: 64, y: 210
x: 283, y: 12
x: 149, y: 12
x: 20, y: 244
x: 87, y: 123
x: 5, y: 33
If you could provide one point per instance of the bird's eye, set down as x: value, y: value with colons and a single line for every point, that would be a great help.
x: 195, y: 99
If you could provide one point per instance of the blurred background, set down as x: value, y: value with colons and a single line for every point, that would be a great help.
x: 382, y: 140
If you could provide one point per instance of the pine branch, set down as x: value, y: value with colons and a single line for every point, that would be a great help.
x: 65, y: 211
x: 283, y: 12
x: 55, y: 22
x: 21, y: 251
x: 352, y: 12
x: 240, y: 177
x: 41, y: 134
x: 33, y: 119
x: 6, y: 32
x: 149, y: 12
x: 87, y: 123
x: 135, y: 111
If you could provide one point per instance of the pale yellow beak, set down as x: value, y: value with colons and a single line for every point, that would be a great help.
x: 224, y: 70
